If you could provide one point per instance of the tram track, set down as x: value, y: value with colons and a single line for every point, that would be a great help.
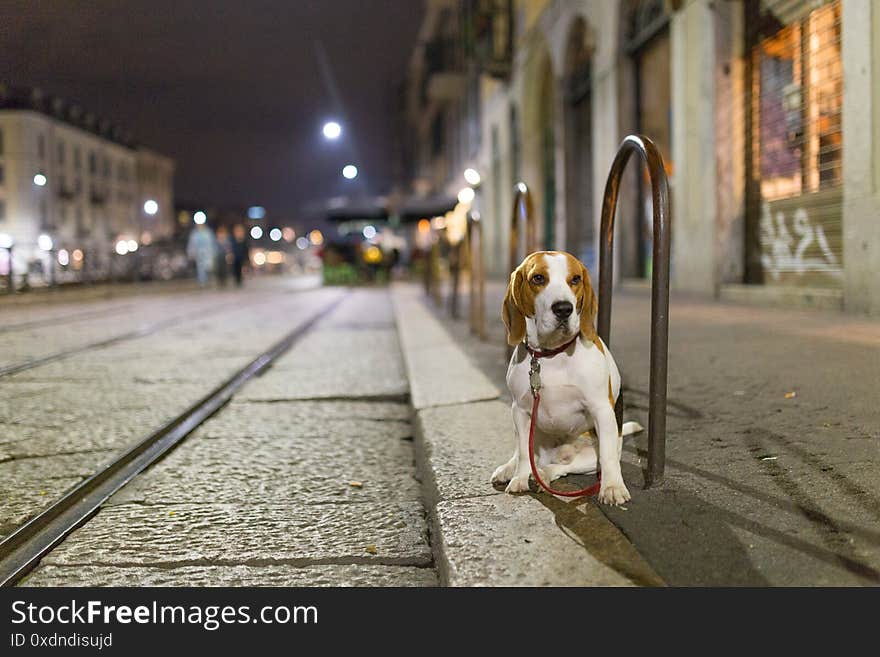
x: 70, y: 317
x: 23, y: 549
x: 141, y: 332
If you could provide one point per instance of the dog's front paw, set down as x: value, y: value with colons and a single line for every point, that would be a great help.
x: 519, y: 484
x: 502, y: 473
x: 614, y: 493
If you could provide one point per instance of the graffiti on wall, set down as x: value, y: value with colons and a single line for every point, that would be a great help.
x: 793, y: 244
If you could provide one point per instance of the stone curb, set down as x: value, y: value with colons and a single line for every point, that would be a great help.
x: 482, y: 536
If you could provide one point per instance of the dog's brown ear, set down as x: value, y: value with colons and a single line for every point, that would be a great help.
x: 589, y: 304
x: 511, y: 312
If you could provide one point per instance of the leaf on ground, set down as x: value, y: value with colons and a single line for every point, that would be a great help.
x: 790, y: 395
x: 371, y: 549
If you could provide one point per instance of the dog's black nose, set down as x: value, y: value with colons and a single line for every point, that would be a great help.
x: 562, y: 309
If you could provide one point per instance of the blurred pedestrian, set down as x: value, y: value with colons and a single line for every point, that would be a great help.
x: 202, y: 249
x: 239, y: 247
x: 223, y: 257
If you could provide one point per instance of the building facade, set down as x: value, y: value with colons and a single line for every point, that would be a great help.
x: 72, y: 187
x: 766, y: 112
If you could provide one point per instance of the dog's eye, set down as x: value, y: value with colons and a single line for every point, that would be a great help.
x: 538, y: 279
x: 576, y: 280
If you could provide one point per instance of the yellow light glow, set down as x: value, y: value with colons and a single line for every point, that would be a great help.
x: 424, y: 226
x: 259, y: 258
x: 316, y: 237
x: 373, y: 255
x: 77, y: 255
x: 274, y: 257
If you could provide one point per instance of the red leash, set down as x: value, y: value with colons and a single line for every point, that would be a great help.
x: 535, y: 384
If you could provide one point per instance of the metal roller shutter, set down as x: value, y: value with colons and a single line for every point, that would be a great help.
x: 793, y: 108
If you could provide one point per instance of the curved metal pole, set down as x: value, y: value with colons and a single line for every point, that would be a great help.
x: 477, y: 266
x: 523, y: 212
x: 659, y: 289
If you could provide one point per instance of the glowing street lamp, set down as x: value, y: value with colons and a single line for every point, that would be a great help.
x: 200, y: 217
x: 44, y: 242
x: 332, y: 130
x: 275, y: 234
x: 472, y: 176
x: 151, y: 207
x: 256, y: 232
x: 350, y: 171
x: 40, y: 180
x: 466, y: 195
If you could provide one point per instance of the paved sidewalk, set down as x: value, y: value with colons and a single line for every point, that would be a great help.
x: 482, y: 536
x: 763, y: 487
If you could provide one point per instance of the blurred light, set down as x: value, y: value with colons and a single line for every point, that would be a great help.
x: 77, y: 255
x: 472, y: 176
x: 121, y: 247
x: 151, y: 207
x: 259, y: 258
x: 438, y: 223
x: 63, y: 258
x: 132, y: 246
x: 274, y: 257
x: 521, y: 187
x: 316, y: 238
x: 288, y: 233
x: 475, y: 215
x: 44, y: 242
x: 369, y: 232
x: 332, y: 130
x: 6, y: 241
x: 200, y: 217
x: 40, y: 180
x: 466, y: 195
x: 373, y: 255
x: 275, y: 234
x: 256, y: 232
x: 146, y: 238
x: 256, y: 212
x: 424, y: 226
x: 350, y: 171
x: 302, y: 243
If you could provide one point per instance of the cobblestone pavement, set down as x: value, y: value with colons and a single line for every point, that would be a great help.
x: 305, y: 478
x: 773, y: 440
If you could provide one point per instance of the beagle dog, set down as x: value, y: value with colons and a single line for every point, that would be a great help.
x: 550, y: 302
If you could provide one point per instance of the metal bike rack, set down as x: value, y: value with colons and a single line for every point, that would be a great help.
x: 477, y: 268
x: 523, y: 213
x: 659, y: 290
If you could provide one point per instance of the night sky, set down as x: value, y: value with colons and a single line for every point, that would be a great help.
x: 231, y: 89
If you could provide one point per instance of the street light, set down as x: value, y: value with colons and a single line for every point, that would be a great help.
x: 466, y: 195
x: 332, y: 130
x: 200, y: 217
x: 122, y: 247
x: 350, y: 171
x: 256, y: 232
x: 151, y: 207
x: 369, y: 232
x: 472, y: 176
x: 275, y: 234
x: 40, y: 180
x: 44, y: 242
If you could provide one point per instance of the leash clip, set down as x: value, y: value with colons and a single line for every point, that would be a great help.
x: 535, y: 376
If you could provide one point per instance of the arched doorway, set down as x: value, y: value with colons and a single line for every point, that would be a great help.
x: 580, y: 222
x: 647, y: 46
x: 548, y: 156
